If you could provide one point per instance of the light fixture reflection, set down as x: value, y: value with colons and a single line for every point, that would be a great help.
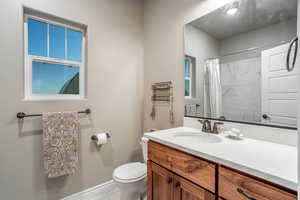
x: 232, y: 11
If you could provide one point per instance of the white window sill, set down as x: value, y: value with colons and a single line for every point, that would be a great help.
x: 53, y: 99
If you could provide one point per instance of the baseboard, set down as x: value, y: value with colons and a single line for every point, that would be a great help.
x: 98, y: 192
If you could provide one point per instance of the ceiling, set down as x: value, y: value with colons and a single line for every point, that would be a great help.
x: 251, y: 15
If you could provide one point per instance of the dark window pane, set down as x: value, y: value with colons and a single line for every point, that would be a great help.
x: 74, y: 45
x: 187, y: 87
x: 50, y: 78
x: 37, y: 38
x: 57, y: 41
x: 187, y: 68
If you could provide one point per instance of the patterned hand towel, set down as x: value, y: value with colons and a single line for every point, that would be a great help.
x: 60, y: 143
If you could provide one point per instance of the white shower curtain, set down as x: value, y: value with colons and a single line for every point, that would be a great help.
x: 212, y: 89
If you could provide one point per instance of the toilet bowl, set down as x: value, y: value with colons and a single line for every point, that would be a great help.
x: 131, y: 178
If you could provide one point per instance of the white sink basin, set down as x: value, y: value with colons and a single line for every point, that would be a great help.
x: 197, y: 137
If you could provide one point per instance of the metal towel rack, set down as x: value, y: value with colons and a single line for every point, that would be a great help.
x: 22, y: 115
x: 162, y: 92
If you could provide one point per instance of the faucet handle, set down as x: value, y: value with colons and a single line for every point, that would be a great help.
x: 201, y: 121
x: 204, y: 127
x: 215, y: 128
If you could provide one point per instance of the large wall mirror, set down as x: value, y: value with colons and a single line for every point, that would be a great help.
x: 235, y: 64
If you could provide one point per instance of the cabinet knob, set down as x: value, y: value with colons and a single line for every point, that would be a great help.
x: 169, y: 180
x: 265, y: 116
x: 177, y: 185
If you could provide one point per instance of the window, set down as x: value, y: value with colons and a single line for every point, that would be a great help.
x: 54, y: 59
x: 188, y: 72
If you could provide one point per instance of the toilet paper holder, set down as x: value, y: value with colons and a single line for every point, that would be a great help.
x: 94, y: 137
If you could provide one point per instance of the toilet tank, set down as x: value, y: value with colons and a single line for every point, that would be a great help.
x: 144, y: 143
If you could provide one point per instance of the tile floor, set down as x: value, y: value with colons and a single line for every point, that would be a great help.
x: 113, y: 193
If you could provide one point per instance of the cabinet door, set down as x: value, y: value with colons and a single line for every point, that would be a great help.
x: 185, y: 190
x: 160, y: 183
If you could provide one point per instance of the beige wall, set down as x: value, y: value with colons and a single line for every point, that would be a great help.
x: 164, y: 49
x: 115, y: 93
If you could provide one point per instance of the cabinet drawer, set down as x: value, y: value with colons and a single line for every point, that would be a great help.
x: 190, y: 167
x: 234, y: 185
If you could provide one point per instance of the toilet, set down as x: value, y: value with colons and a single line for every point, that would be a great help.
x: 131, y: 178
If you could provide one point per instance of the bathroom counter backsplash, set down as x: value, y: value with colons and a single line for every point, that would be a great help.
x: 271, y: 161
x: 269, y: 134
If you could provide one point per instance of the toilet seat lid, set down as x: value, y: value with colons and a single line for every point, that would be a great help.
x: 130, y: 171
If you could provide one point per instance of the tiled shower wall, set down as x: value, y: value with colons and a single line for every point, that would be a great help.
x: 241, y: 89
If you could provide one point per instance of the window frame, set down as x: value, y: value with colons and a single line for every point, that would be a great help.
x: 29, y: 59
x: 190, y: 77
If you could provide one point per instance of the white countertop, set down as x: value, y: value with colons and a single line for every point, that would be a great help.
x: 273, y: 162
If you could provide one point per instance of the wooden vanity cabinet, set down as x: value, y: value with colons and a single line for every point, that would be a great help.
x: 175, y: 175
x: 165, y: 185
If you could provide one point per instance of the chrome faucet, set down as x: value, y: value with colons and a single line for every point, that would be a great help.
x: 206, y: 127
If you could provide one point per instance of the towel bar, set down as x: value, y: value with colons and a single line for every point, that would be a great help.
x: 22, y: 115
